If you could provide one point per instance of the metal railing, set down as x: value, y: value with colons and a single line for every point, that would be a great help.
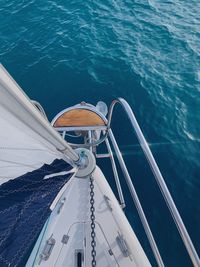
x: 40, y: 108
x: 115, y: 173
x: 160, y: 181
x: 107, y: 136
x: 137, y: 202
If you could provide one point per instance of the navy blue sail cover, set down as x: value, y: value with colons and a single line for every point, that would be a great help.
x: 24, y: 208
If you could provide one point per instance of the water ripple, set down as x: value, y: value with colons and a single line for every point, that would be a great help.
x: 145, y: 51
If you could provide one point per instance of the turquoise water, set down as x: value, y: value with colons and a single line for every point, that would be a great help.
x: 64, y: 52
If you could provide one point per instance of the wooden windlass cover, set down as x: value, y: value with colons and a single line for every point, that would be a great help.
x: 79, y: 118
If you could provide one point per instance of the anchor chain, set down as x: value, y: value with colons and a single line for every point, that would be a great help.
x: 92, y: 218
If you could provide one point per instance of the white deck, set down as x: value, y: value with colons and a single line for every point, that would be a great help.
x: 71, y: 219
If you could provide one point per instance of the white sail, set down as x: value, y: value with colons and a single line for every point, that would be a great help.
x: 27, y: 140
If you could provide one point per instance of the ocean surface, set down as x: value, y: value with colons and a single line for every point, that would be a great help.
x: 148, y: 52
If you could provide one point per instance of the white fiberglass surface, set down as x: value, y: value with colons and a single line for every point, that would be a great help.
x: 70, y: 220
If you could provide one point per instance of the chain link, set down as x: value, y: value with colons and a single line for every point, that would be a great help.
x: 92, y: 217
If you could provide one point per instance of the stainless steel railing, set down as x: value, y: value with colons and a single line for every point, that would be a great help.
x: 108, y: 136
x: 137, y: 202
x: 160, y: 181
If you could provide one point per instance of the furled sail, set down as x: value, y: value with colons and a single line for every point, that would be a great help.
x: 35, y: 163
x: 27, y: 140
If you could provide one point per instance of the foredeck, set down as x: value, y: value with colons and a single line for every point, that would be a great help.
x: 66, y: 238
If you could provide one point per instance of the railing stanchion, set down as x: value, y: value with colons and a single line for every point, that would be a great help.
x: 136, y: 201
x: 116, y: 176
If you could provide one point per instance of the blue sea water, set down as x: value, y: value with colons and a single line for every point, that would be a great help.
x: 63, y: 52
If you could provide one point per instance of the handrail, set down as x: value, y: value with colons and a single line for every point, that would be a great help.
x: 115, y: 173
x: 40, y: 108
x: 159, y: 178
x: 137, y: 202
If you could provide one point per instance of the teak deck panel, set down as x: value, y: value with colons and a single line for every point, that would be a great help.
x: 79, y: 117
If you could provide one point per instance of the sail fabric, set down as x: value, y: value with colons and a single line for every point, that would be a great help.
x: 20, y: 151
x: 35, y: 163
x: 25, y: 206
x: 27, y: 140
